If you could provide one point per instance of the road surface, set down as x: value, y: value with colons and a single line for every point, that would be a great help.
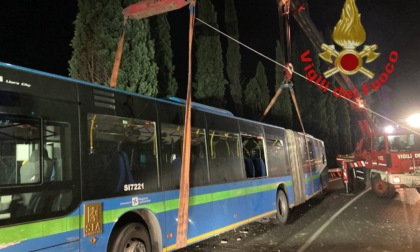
x: 339, y: 222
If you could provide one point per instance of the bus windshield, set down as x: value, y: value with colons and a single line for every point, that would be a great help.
x: 404, y: 142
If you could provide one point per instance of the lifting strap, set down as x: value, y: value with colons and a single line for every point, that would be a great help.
x: 184, y: 190
x: 117, y: 61
x: 140, y: 10
x: 284, y: 10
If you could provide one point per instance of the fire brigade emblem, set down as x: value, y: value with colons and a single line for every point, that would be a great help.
x: 349, y: 34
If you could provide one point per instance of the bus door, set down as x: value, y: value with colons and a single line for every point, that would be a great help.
x: 297, y: 169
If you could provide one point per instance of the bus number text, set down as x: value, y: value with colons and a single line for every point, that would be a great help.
x: 133, y: 187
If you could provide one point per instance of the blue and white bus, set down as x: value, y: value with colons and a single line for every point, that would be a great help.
x: 84, y: 167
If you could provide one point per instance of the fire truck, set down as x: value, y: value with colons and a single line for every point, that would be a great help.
x: 387, y: 160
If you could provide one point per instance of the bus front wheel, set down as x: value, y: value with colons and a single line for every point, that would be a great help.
x: 282, y: 207
x: 131, y: 237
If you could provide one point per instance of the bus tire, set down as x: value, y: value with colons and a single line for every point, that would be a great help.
x: 131, y: 237
x: 282, y: 207
x: 381, y: 188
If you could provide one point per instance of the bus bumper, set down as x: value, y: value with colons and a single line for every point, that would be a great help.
x: 404, y: 180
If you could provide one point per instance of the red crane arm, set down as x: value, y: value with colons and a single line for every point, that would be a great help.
x: 149, y: 8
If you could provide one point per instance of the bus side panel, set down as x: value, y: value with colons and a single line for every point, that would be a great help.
x: 69, y: 223
x: 45, y: 241
x: 47, y: 216
x: 200, y: 214
x: 71, y: 246
x: 114, y: 208
x: 263, y: 195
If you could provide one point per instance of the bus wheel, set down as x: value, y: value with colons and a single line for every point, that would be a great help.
x: 381, y: 188
x: 282, y: 207
x: 133, y: 237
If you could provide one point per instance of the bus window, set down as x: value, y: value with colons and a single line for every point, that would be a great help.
x: 172, y: 138
x: 122, y: 156
x: 225, y: 157
x: 311, y: 148
x: 35, y: 165
x: 276, y: 158
x: 16, y: 151
x: 253, y: 151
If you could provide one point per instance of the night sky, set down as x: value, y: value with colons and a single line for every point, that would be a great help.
x: 37, y: 34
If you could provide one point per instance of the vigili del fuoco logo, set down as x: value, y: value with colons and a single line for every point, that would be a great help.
x: 349, y: 34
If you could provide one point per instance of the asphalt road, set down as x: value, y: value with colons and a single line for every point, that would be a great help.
x: 339, y: 222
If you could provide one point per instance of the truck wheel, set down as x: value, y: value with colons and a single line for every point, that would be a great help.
x: 381, y: 188
x: 391, y: 191
x: 130, y: 238
x: 282, y: 207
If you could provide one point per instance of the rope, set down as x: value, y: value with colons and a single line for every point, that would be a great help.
x: 304, y: 77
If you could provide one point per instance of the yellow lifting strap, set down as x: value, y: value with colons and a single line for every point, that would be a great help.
x: 184, y: 190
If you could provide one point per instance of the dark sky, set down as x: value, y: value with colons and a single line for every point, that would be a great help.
x: 37, y: 34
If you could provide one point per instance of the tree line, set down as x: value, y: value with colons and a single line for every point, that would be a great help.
x: 148, y: 67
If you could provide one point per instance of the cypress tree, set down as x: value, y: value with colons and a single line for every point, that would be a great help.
x: 343, y: 123
x: 257, y: 94
x: 209, y: 80
x: 167, y: 84
x: 233, y: 56
x: 320, y: 102
x: 282, y: 109
x: 138, y: 70
x: 98, y: 26
x: 332, y: 135
x: 301, y: 86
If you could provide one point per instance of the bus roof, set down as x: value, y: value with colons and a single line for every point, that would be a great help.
x: 173, y: 100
